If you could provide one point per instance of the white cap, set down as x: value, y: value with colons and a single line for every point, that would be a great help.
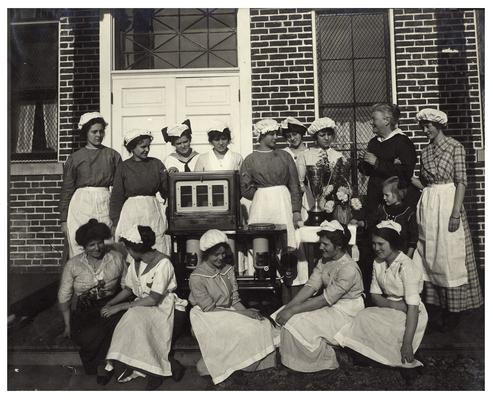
x: 218, y: 126
x: 321, y: 123
x: 331, y: 226
x: 132, y: 134
x: 211, y: 238
x: 177, y: 130
x: 432, y: 115
x: 132, y: 235
x: 85, y: 118
x: 390, y: 225
x: 264, y: 126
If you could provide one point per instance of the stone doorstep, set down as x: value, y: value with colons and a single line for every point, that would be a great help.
x: 71, y: 358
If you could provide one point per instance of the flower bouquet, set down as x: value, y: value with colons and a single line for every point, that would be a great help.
x: 337, y: 196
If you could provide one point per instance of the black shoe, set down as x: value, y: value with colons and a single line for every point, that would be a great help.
x: 153, y: 382
x: 177, y: 371
x: 104, y: 376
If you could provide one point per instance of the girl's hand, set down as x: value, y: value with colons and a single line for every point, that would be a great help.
x: 407, y: 354
x: 370, y: 158
x: 172, y: 170
x: 397, y: 161
x: 453, y: 223
x: 284, y: 316
x: 399, y: 305
x: 108, y: 311
x: 252, y: 313
x: 297, y: 219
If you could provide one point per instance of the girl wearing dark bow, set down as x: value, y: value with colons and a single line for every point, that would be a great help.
x: 184, y: 157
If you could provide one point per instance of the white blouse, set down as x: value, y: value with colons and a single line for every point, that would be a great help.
x: 400, y: 280
x: 160, y: 279
x: 173, y: 162
x: 209, y: 162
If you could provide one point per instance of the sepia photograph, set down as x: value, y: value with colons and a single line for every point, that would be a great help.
x: 245, y: 199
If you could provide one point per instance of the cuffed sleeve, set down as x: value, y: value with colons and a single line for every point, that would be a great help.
x: 411, y: 280
x: 342, y: 284
x: 163, y: 181
x: 68, y: 187
x: 235, y: 295
x: 375, y: 286
x: 117, y: 195
x: 162, y: 277
x: 199, y: 294
x: 315, y: 280
x: 248, y: 187
x: 66, y: 289
x: 460, y: 175
x: 294, y: 184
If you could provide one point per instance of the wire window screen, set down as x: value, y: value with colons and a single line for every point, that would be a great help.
x: 175, y: 38
x: 33, y: 77
x: 353, y: 70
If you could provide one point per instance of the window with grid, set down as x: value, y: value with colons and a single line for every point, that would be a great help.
x: 175, y: 38
x: 353, y: 74
x: 33, y: 84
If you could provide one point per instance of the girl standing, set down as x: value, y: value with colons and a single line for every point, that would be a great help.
x: 137, y: 180
x: 184, y: 157
x: 87, y: 175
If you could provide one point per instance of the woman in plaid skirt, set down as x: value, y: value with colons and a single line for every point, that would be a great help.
x: 445, y: 245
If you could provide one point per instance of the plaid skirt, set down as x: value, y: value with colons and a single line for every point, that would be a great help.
x: 460, y: 298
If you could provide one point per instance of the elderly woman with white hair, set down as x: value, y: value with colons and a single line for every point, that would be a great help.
x: 231, y: 337
x: 311, y: 319
x: 220, y: 157
x: 87, y: 175
x: 184, y: 157
x: 137, y: 180
x: 269, y: 178
x: 445, y: 245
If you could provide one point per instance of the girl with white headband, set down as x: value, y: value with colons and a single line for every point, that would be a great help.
x: 184, y: 157
x: 87, y: 175
x: 137, y: 181
x: 220, y: 157
x: 269, y: 178
x: 310, y: 323
x: 445, y: 244
x: 391, y: 331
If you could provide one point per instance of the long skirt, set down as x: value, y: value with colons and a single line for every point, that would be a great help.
x: 93, y: 333
x: 142, y: 338
x: 147, y: 211
x: 307, y: 339
x: 273, y: 205
x: 229, y: 341
x: 86, y: 203
x: 434, y: 209
x: 377, y: 333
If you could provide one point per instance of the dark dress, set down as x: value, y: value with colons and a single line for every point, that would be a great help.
x: 398, y: 146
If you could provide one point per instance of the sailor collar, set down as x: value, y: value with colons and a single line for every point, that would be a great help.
x: 207, y: 271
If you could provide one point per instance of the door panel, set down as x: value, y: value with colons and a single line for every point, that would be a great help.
x: 152, y: 102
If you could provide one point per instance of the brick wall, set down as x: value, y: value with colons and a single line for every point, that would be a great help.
x: 282, y: 64
x: 437, y: 66
x: 34, y: 226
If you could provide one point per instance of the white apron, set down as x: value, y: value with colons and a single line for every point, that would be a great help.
x: 146, y: 211
x: 440, y: 253
x: 377, y: 332
x: 86, y: 203
x: 311, y: 327
x: 273, y: 205
x: 229, y: 341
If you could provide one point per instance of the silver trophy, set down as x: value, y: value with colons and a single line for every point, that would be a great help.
x: 317, y: 176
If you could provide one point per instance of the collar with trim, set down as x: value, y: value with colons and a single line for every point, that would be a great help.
x: 396, y: 131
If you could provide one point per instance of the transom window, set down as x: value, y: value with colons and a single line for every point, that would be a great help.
x: 353, y: 74
x: 33, y: 89
x: 175, y: 38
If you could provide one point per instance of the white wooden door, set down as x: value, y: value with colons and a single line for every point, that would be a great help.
x: 205, y: 99
x: 152, y: 101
